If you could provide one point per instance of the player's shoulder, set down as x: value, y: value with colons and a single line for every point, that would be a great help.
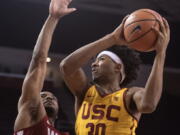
x: 80, y: 98
x: 91, y: 87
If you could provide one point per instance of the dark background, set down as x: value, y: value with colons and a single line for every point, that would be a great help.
x: 21, y: 21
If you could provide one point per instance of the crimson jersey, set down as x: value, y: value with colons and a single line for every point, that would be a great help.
x: 41, y: 128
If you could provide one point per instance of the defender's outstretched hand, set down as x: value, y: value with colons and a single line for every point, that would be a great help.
x: 59, y: 8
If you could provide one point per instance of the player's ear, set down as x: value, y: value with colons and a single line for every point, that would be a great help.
x: 118, y: 68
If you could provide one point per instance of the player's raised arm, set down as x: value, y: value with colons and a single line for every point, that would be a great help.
x: 147, y: 99
x: 30, y: 108
x: 71, y: 66
x: 36, y: 73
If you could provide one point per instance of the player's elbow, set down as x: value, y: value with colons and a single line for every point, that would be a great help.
x: 64, y: 68
x: 39, y: 58
x: 147, y: 108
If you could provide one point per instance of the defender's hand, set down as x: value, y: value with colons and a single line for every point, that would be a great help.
x: 59, y: 8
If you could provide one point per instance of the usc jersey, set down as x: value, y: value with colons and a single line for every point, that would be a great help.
x: 104, y: 115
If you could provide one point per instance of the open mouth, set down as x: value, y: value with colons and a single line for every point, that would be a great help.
x: 94, y: 70
x: 48, y: 103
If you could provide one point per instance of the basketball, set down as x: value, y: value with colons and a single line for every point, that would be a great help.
x: 138, y: 29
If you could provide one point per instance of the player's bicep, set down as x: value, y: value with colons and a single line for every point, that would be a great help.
x: 139, y: 99
x: 77, y: 82
x: 33, y: 84
x: 30, y: 104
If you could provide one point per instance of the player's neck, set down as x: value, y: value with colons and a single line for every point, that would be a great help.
x: 108, y: 88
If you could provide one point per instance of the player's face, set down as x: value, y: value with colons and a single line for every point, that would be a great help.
x: 102, y: 68
x: 49, y: 100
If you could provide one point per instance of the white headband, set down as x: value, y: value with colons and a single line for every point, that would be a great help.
x: 116, y: 59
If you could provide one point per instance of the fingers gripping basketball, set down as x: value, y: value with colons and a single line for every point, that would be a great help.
x: 138, y: 29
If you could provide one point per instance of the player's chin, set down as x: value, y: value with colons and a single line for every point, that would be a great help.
x: 95, y: 79
x: 95, y: 76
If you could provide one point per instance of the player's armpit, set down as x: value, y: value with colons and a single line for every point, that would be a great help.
x: 141, y: 104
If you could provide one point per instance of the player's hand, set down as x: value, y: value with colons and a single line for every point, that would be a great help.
x: 163, y: 36
x: 118, y: 33
x: 59, y: 8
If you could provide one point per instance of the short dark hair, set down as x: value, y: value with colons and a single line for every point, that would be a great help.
x: 131, y: 61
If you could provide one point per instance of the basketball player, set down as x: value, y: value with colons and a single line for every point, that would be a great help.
x: 37, y: 111
x: 107, y: 107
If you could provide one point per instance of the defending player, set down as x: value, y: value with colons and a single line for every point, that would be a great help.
x: 37, y: 111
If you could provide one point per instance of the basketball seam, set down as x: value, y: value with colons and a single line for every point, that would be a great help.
x: 143, y: 33
x: 154, y: 16
x: 151, y: 14
x: 140, y: 21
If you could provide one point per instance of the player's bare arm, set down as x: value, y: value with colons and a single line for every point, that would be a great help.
x: 146, y: 99
x: 71, y: 66
x: 30, y: 107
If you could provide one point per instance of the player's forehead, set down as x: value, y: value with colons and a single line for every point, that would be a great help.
x: 103, y: 56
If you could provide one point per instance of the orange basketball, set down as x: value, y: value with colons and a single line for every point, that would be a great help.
x: 138, y: 29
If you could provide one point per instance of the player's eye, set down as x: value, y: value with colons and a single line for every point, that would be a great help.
x: 43, y: 95
x: 101, y: 58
